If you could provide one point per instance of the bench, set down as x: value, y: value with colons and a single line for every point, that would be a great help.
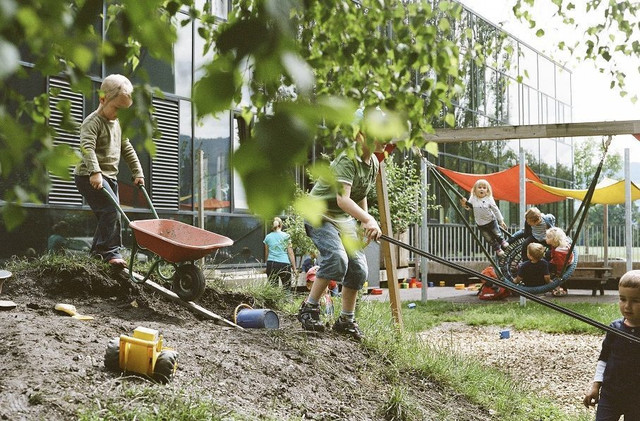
x: 589, y: 275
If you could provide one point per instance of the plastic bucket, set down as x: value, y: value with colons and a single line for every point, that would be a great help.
x: 258, y: 319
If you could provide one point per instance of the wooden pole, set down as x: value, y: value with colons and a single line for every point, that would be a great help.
x: 385, y: 247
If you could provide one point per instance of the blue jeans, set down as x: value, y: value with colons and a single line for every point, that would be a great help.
x: 107, y: 239
x: 335, y: 263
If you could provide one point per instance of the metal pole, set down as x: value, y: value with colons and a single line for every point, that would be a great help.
x: 627, y: 209
x: 201, y: 194
x: 424, y: 233
x: 523, y: 200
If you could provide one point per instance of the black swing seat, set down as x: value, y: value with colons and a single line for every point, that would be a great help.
x: 512, y: 257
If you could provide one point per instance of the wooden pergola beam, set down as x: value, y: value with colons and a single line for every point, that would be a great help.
x: 597, y: 128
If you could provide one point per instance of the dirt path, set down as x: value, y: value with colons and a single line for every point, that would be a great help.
x: 52, y: 365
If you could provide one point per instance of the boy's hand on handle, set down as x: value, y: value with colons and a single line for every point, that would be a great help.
x: 503, y: 225
x: 371, y: 229
x: 463, y: 202
x: 139, y: 181
x: 592, y: 396
x: 95, y: 180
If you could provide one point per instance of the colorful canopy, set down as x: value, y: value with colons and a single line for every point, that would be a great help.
x: 608, y: 192
x: 506, y: 185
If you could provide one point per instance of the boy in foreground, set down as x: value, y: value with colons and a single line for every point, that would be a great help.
x: 616, y: 384
x: 345, y: 209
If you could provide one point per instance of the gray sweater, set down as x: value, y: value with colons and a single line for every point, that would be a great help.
x: 101, y: 145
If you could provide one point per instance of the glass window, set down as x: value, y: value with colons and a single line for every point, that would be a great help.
x: 186, y: 157
x: 213, y: 137
x: 531, y: 149
x: 513, y: 116
x: 563, y: 85
x: 247, y: 234
x: 547, y: 76
x: 565, y: 161
x: 182, y: 56
x: 479, y: 91
x: 239, y: 196
x: 200, y: 58
x: 221, y: 8
x: 493, y: 96
x: 548, y: 154
x: 528, y: 66
x: 533, y: 110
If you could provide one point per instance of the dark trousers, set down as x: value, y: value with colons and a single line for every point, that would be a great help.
x: 612, y: 406
x: 278, y: 270
x: 107, y: 239
x: 491, y: 233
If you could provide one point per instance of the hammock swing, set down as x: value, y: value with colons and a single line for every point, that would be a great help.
x: 506, y: 267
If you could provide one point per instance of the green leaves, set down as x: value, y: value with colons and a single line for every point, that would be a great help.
x: 215, y: 92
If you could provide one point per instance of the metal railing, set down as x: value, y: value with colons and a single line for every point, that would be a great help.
x: 455, y: 242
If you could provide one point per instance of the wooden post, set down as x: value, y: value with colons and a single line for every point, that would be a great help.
x: 385, y: 247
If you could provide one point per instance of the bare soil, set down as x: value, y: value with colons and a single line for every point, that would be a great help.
x: 53, y: 365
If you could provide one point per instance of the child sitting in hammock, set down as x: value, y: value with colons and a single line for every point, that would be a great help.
x: 535, y: 271
x: 559, y: 244
x: 487, y: 215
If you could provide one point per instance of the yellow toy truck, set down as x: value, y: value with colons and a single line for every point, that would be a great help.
x: 141, y: 353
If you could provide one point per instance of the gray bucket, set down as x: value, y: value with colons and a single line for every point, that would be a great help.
x: 258, y: 319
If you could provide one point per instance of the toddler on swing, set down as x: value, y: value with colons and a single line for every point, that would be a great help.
x: 487, y: 215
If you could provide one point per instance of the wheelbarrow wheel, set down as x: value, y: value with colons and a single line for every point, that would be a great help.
x: 189, y: 282
x: 165, y: 367
x: 112, y: 355
x: 166, y: 271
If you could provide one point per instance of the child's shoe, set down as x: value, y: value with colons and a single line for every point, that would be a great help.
x: 349, y: 328
x: 309, y: 316
x: 499, y: 253
x: 504, y: 244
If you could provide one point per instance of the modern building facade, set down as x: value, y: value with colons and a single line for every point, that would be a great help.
x: 531, y: 90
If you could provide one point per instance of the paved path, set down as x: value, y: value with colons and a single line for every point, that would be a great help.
x: 469, y: 296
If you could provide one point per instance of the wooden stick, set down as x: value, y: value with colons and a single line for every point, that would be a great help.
x: 190, y: 305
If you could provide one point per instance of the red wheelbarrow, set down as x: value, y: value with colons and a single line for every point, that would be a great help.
x: 176, y: 244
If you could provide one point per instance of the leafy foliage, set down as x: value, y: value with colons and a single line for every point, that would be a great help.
x: 612, y: 35
x: 298, y: 68
x: 404, y: 190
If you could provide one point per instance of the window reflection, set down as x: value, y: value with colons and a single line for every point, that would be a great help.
x: 213, y: 138
x: 182, y: 52
x: 186, y: 157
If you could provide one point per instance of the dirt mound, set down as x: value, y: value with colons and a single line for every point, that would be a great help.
x: 53, y: 365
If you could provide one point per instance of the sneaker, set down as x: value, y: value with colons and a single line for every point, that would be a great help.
x: 504, y: 244
x: 500, y: 253
x: 309, y: 316
x: 349, y: 328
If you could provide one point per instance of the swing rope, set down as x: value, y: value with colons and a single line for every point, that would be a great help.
x: 441, y: 181
x: 520, y: 290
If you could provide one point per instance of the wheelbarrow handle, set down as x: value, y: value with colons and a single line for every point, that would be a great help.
x: 114, y: 201
x: 146, y: 196
x: 117, y: 205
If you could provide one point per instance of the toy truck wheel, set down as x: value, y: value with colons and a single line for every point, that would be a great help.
x: 165, y: 367
x: 112, y: 355
x: 189, y: 282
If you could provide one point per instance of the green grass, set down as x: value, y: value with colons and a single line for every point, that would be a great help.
x: 529, y: 317
x: 486, y: 386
